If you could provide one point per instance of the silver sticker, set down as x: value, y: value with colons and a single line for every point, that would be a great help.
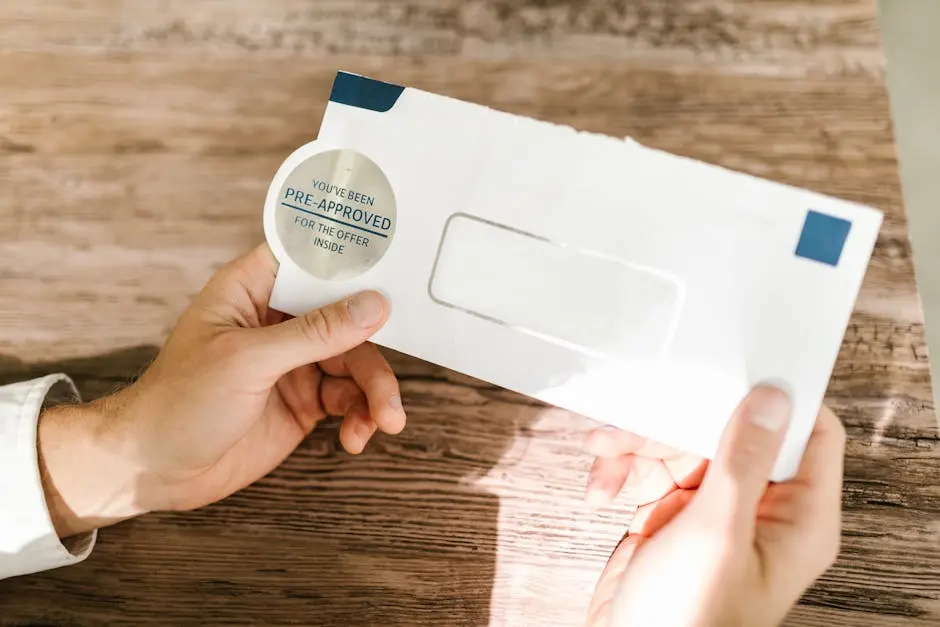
x: 336, y: 215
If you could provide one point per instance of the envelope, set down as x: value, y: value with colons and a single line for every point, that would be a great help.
x: 638, y: 288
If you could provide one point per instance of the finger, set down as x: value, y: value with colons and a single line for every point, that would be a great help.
x: 649, y: 519
x: 607, y: 477
x: 823, y: 461
x: 687, y: 471
x: 600, y: 610
x: 335, y: 366
x: 609, y: 441
x: 641, y: 480
x: 338, y: 395
x: 357, y: 429
x: 254, y: 272
x: 649, y: 481
x: 369, y: 369
x: 317, y: 335
x: 738, y: 476
x: 272, y: 316
x: 815, y: 493
x: 299, y: 388
x: 818, y: 486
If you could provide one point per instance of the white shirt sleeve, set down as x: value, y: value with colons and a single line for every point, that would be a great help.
x: 28, y: 541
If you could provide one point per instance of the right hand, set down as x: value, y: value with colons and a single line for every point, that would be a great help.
x: 717, y: 544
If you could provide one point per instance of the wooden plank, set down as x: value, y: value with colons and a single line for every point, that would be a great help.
x: 768, y: 37
x: 436, y: 526
x: 169, y: 201
x: 152, y: 102
x: 157, y: 225
x: 136, y: 144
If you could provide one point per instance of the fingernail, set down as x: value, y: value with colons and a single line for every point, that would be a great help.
x: 395, y: 402
x: 363, y: 432
x: 597, y: 492
x: 366, y: 309
x: 597, y: 497
x: 769, y: 408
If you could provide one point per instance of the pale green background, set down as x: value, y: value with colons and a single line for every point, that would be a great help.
x: 911, y: 37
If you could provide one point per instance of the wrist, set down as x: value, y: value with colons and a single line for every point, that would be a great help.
x: 88, y: 480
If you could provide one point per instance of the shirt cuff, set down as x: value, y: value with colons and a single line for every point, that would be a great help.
x: 28, y: 540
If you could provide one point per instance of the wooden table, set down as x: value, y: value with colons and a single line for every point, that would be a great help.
x: 137, y: 140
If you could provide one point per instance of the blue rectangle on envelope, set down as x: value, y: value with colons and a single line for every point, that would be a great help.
x: 823, y: 238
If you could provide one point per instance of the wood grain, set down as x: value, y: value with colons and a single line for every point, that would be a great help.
x: 137, y: 140
x: 771, y: 36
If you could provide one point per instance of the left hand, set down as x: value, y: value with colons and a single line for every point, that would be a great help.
x: 232, y: 393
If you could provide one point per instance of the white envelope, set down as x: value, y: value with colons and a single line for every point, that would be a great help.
x: 635, y: 287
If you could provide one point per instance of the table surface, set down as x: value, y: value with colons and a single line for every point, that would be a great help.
x: 137, y: 140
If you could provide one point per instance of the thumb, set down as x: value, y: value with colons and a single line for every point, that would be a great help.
x: 738, y: 476
x: 318, y: 334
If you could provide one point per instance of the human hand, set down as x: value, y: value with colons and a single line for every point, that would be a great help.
x: 715, y: 544
x: 232, y: 393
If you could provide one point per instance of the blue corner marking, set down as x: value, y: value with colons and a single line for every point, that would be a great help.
x: 365, y: 93
x: 823, y: 238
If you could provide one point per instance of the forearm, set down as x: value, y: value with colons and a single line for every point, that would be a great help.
x: 87, y: 479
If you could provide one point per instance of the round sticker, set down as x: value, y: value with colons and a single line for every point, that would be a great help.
x: 336, y: 214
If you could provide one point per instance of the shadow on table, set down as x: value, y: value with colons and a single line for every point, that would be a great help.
x: 397, y: 536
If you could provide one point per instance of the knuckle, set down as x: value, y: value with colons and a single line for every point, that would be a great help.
x: 717, y: 536
x: 380, y: 376
x: 340, y: 396
x: 229, y: 351
x: 225, y: 347
x: 319, y: 326
x: 349, y: 399
x: 715, y: 508
x: 225, y: 274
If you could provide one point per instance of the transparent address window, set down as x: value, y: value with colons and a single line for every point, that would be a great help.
x: 582, y: 300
